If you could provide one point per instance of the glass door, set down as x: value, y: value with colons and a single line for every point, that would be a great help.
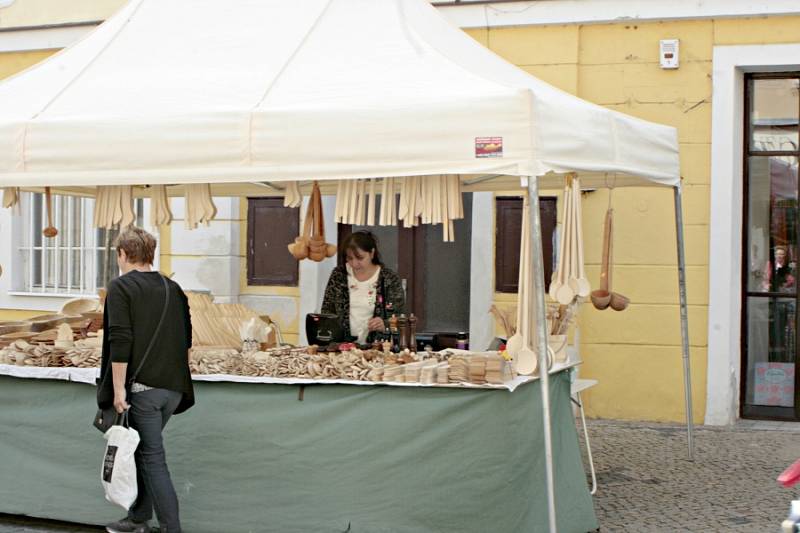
x: 770, y: 300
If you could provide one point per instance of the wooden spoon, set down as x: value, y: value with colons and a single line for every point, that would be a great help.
x: 361, y: 197
x: 584, y: 288
x: 526, y: 358
x: 565, y: 294
x: 557, y: 280
x: 514, y: 344
x: 50, y: 231
x: 573, y: 242
x: 392, y: 203
x: 384, y: 201
x: 371, y: 204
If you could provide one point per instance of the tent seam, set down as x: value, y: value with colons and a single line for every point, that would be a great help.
x: 71, y: 82
x: 278, y: 76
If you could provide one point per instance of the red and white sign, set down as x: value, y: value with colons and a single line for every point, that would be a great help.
x: 488, y: 147
x: 774, y: 384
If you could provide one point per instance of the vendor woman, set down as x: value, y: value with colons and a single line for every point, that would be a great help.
x: 363, y: 293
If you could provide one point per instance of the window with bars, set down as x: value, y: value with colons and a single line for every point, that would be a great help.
x: 76, y: 261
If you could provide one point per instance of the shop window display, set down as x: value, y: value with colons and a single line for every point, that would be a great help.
x: 771, y: 240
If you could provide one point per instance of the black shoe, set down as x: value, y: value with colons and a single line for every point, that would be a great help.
x: 126, y: 525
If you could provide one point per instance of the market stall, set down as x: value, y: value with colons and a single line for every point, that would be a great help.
x: 367, y: 458
x: 257, y: 93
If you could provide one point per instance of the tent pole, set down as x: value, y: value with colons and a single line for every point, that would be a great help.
x: 687, y: 381
x: 537, y: 264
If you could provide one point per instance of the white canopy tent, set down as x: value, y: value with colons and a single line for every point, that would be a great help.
x: 199, y: 91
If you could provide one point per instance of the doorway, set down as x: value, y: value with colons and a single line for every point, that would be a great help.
x: 770, y: 386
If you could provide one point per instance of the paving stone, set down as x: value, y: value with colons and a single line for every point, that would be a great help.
x: 646, y: 482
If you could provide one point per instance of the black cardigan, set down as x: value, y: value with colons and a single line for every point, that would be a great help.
x: 390, y: 299
x: 134, y: 303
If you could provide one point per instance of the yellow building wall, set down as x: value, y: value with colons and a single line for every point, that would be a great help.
x: 24, y: 13
x: 636, y: 354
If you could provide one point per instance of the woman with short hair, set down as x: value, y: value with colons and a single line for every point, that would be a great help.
x: 135, y: 303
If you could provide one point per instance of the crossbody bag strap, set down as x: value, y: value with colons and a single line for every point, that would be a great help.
x: 155, y: 333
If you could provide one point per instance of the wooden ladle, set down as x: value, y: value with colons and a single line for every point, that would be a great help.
x: 601, y: 298
x: 50, y: 231
x: 605, y: 297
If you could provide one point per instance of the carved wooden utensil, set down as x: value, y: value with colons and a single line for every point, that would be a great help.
x: 50, y: 231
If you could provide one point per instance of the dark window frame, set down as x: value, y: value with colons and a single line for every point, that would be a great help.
x: 508, y: 211
x: 746, y: 410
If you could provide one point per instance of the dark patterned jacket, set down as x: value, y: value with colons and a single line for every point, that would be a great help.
x: 337, y: 297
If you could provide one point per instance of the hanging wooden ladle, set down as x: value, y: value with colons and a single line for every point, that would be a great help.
x: 50, y: 231
x: 601, y: 298
x: 605, y: 296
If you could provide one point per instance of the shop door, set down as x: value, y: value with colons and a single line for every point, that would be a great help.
x: 770, y: 386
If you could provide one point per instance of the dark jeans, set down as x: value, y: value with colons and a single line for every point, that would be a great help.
x: 148, y: 414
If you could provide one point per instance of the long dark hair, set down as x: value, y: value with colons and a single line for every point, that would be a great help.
x: 360, y: 241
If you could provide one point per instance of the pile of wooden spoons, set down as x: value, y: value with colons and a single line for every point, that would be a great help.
x: 114, y: 207
x: 311, y: 244
x: 604, y: 297
x: 200, y: 208
x: 160, y: 213
x: 569, y: 280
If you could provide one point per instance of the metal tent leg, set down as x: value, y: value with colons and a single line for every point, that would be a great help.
x: 537, y: 264
x: 579, y: 401
x: 687, y: 381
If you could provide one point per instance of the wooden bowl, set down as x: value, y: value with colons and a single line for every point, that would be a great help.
x: 78, y: 306
x: 318, y: 247
x: 600, y: 299
x: 317, y: 255
x: 299, y: 248
x: 13, y: 327
x: 44, y: 322
x: 619, y: 302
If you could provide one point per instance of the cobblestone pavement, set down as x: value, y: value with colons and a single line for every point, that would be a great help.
x: 646, y: 484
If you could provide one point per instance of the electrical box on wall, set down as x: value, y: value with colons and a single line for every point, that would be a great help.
x: 668, y: 53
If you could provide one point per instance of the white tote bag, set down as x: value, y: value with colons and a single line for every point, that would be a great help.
x: 118, y: 473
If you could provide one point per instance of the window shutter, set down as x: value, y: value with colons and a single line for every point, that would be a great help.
x: 508, y: 228
x: 271, y: 227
